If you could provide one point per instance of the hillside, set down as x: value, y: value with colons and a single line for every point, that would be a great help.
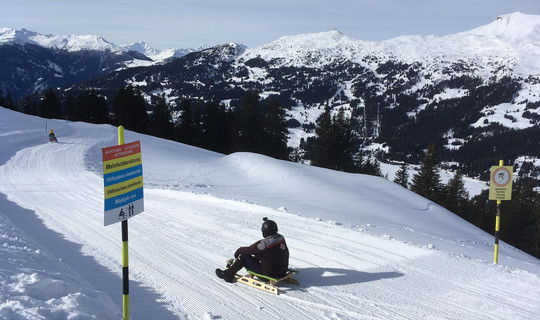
x: 365, y: 247
x: 474, y: 94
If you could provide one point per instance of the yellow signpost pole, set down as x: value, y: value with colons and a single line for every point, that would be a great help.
x: 125, y: 259
x: 500, y: 188
x: 497, y: 228
x: 123, y: 196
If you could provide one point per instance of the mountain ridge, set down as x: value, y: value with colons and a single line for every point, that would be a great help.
x: 79, y: 42
x: 413, y: 48
x: 457, y: 91
x: 161, y: 55
x: 75, y: 42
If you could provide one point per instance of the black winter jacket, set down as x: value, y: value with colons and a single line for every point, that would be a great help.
x: 273, y: 254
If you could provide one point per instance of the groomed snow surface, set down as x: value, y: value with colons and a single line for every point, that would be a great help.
x: 365, y: 247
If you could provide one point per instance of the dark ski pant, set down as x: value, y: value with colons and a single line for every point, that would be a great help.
x: 247, y: 261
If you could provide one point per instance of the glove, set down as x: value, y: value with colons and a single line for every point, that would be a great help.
x: 236, y: 254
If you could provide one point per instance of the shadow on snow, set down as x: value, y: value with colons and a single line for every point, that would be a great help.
x: 324, y: 277
x: 144, y: 302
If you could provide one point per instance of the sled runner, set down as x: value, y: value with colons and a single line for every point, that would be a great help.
x: 264, y: 283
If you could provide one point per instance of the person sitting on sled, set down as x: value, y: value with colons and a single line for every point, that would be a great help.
x: 268, y: 256
x: 52, y: 137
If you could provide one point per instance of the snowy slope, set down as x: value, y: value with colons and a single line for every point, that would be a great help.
x: 365, y: 247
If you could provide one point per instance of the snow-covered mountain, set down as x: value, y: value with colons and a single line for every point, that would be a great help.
x: 160, y: 55
x: 141, y: 47
x: 365, y: 247
x: 32, y: 62
x: 511, y: 42
x: 71, y: 43
x: 471, y: 91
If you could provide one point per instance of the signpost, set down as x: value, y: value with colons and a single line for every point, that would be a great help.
x: 122, y: 174
x: 500, y: 188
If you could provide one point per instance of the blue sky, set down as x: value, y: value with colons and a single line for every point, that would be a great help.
x: 190, y: 23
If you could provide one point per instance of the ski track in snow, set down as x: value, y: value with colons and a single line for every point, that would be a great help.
x: 175, y: 245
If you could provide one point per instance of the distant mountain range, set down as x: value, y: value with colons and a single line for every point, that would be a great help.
x: 70, y: 43
x: 476, y: 94
x: 32, y: 62
x: 160, y: 55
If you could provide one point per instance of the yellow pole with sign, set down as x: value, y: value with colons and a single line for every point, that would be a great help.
x: 125, y: 259
x: 497, y: 226
x: 500, y: 188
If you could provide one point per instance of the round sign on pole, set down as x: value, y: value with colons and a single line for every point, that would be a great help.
x: 501, y: 176
x: 500, y: 186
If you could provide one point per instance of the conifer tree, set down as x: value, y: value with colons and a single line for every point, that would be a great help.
x: 95, y: 106
x: 161, y: 120
x: 30, y: 106
x: 321, y: 153
x: 520, y: 217
x: 369, y: 166
x: 88, y: 107
x: 455, y: 196
x: 129, y: 109
x: 481, y: 212
x: 332, y: 148
x: 9, y: 102
x: 197, y: 125
x: 402, y: 176
x: 427, y: 182
x: 72, y: 110
x: 185, y: 131
x: 50, y: 106
x: 275, y: 131
x: 215, y: 126
x: 247, y: 130
x: 342, y: 142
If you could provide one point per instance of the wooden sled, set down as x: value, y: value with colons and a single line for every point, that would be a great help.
x: 266, y: 283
